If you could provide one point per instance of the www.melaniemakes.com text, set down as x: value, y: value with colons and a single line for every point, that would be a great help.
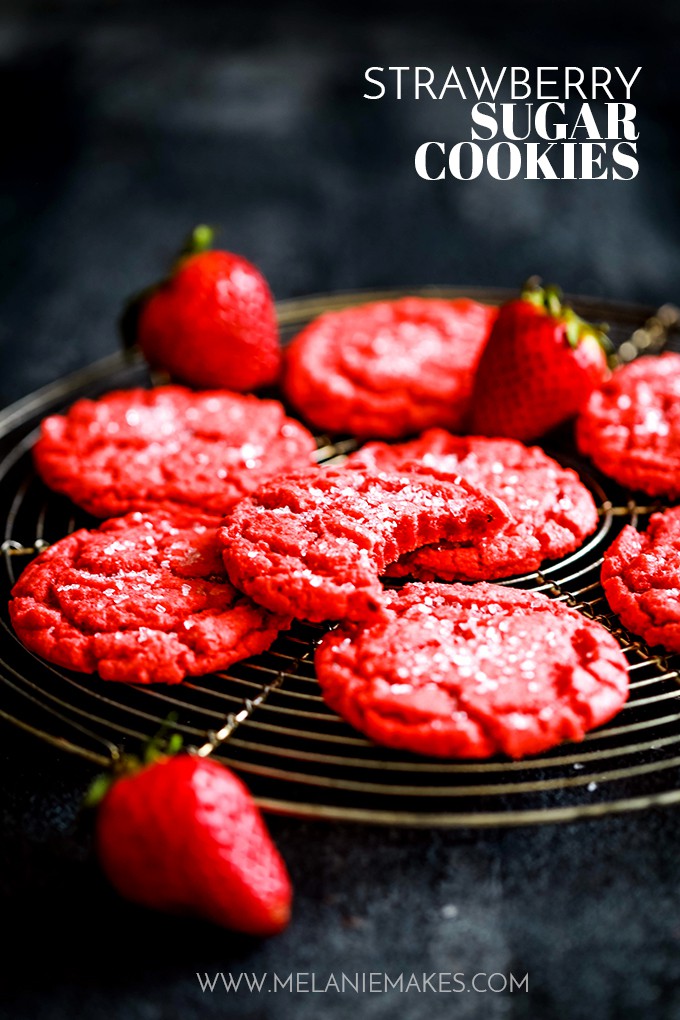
x: 553, y: 123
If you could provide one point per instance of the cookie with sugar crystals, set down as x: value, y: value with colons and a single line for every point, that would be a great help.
x: 388, y: 369
x: 630, y: 427
x: 470, y: 671
x: 140, y: 449
x: 552, y: 510
x: 143, y: 598
x: 314, y: 545
x: 641, y: 579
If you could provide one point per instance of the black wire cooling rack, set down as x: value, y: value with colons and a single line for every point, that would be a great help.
x: 265, y: 717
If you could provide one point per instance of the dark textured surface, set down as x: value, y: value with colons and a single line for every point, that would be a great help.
x: 123, y: 124
x: 588, y: 911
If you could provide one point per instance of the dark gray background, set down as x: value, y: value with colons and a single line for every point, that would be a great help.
x: 125, y: 123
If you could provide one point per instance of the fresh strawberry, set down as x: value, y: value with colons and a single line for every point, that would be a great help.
x: 183, y: 835
x: 211, y: 324
x: 539, y: 366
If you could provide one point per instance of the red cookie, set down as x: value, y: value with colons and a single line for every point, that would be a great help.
x: 314, y: 545
x: 641, y: 579
x: 390, y: 368
x: 467, y: 671
x: 631, y: 426
x: 142, y: 599
x: 140, y: 449
x: 551, y: 508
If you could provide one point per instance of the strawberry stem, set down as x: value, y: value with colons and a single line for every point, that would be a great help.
x: 549, y: 300
x: 99, y: 787
x: 199, y: 240
x: 532, y: 292
x: 161, y: 745
x: 553, y: 300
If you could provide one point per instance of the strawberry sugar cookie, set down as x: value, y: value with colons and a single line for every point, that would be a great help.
x: 143, y: 598
x: 388, y: 369
x: 630, y: 427
x: 552, y: 511
x: 641, y: 579
x: 314, y: 545
x: 140, y: 449
x: 470, y: 671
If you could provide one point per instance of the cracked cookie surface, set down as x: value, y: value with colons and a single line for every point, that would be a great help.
x: 630, y: 427
x: 553, y: 512
x: 140, y: 449
x: 468, y: 671
x: 144, y: 599
x: 314, y: 545
x: 641, y: 579
x: 388, y: 369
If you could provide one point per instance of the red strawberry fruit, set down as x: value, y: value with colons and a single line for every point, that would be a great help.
x: 211, y: 323
x: 539, y: 366
x: 183, y: 835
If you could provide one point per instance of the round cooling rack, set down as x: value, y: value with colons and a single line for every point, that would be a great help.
x: 265, y: 717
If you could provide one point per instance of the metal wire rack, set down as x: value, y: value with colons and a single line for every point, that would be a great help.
x: 265, y: 717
